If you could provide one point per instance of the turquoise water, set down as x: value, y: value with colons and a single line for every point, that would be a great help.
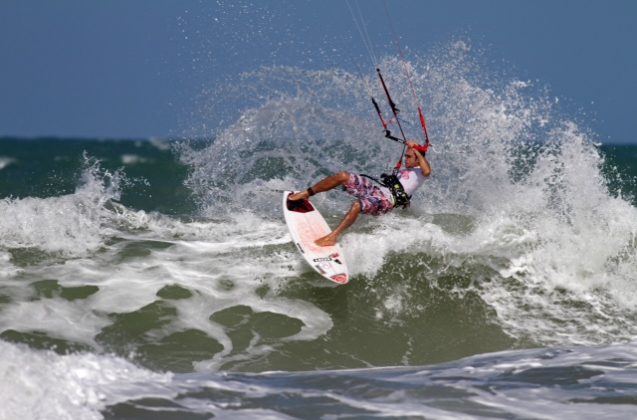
x: 156, y: 278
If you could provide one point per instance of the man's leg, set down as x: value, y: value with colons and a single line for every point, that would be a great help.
x: 347, y: 221
x: 323, y: 185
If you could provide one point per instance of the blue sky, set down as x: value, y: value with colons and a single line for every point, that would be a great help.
x: 133, y: 68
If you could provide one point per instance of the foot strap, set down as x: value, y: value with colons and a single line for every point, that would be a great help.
x: 310, y: 192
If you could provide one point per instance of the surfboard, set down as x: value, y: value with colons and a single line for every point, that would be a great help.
x: 307, y: 225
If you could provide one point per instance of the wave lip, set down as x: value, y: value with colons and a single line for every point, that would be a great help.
x: 6, y: 161
x: 71, y: 225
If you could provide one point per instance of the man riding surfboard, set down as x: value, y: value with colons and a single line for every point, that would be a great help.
x: 374, y: 197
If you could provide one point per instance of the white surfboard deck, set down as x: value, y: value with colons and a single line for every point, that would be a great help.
x: 307, y: 225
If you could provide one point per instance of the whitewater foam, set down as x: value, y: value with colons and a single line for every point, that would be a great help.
x: 221, y: 264
x: 43, y: 384
x: 552, y: 238
x: 72, y: 225
x: 6, y: 161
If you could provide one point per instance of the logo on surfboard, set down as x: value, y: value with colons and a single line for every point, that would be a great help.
x: 331, y: 257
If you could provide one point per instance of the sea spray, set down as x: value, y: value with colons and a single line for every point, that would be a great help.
x: 542, y: 221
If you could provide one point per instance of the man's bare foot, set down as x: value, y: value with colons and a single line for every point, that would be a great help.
x: 303, y: 195
x: 327, y: 240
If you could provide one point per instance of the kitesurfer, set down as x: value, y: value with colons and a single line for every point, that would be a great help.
x: 374, y: 197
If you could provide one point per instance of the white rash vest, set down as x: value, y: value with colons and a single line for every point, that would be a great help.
x: 411, y: 179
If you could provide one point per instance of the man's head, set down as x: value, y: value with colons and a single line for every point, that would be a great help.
x: 411, y: 159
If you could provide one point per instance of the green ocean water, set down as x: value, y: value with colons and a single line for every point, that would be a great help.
x: 153, y: 182
x: 45, y: 167
x: 620, y: 168
x: 378, y: 320
x: 108, y: 251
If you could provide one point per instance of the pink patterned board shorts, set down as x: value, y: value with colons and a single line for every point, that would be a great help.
x: 374, y: 199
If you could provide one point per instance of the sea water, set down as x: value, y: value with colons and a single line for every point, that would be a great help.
x: 156, y: 278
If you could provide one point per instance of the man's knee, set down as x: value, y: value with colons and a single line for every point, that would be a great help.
x: 343, y: 176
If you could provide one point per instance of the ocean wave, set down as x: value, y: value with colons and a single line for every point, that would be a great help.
x: 515, y: 240
x: 582, y: 382
x: 71, y: 225
x: 549, y: 249
x: 74, y: 386
x: 6, y: 161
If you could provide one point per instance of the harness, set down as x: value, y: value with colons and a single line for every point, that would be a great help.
x: 401, y: 198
